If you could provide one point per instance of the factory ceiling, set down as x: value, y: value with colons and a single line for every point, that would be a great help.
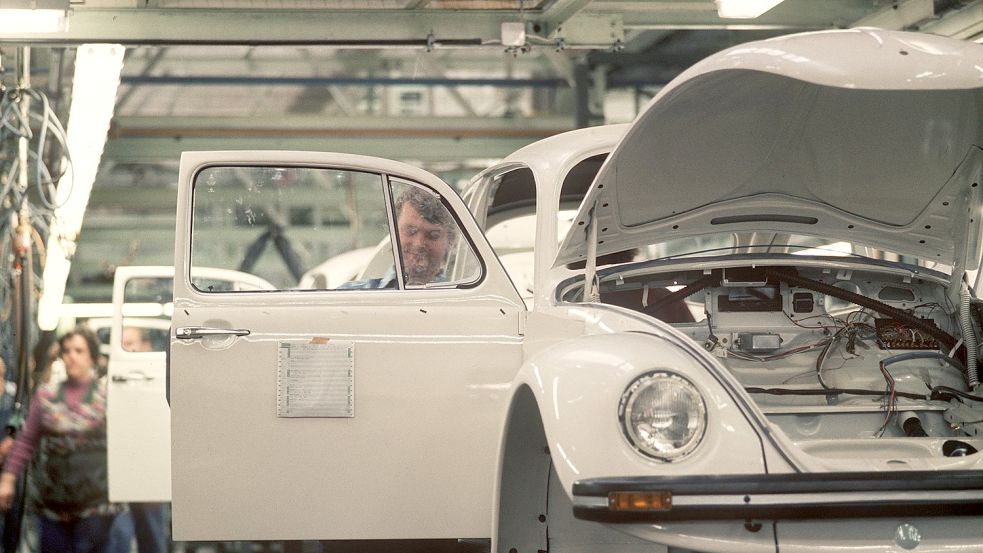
x: 446, y: 84
x: 468, y: 75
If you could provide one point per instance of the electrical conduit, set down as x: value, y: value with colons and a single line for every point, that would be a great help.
x: 969, y: 338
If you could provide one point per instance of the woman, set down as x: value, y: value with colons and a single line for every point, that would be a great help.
x: 67, y: 425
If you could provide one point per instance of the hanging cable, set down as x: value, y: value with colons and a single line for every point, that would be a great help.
x: 33, y: 156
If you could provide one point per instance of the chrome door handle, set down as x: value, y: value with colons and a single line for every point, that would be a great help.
x: 196, y: 332
x: 134, y: 375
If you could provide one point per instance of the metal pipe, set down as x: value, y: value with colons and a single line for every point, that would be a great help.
x: 224, y: 80
x: 232, y: 80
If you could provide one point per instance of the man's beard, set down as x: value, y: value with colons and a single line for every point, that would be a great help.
x: 419, y: 267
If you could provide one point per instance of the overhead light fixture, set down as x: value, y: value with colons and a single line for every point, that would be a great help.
x: 97, y: 70
x: 33, y: 16
x: 744, y: 9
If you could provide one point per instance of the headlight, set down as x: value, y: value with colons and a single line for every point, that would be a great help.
x: 663, y: 416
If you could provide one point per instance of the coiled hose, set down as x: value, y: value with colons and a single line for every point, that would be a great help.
x: 969, y: 338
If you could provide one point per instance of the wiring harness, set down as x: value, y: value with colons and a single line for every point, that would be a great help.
x: 33, y: 159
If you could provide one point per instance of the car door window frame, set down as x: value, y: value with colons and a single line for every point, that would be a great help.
x: 386, y: 180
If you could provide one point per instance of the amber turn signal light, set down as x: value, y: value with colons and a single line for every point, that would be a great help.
x: 640, y: 501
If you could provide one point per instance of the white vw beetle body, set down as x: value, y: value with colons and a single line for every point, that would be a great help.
x: 782, y: 366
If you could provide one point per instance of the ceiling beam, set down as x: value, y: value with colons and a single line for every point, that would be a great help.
x: 789, y: 15
x: 433, y: 149
x: 899, y: 16
x: 965, y: 23
x: 425, y: 29
x: 238, y: 80
x: 558, y: 13
x: 365, y: 28
x: 318, y: 61
x: 428, y: 139
x: 585, y: 24
x: 146, y: 198
x: 131, y: 126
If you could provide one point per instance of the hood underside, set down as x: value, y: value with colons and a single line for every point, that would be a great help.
x: 883, y: 149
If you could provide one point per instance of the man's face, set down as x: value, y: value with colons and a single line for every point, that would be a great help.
x: 424, y: 245
x: 134, y: 340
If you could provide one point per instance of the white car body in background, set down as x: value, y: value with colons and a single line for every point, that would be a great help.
x: 138, y: 418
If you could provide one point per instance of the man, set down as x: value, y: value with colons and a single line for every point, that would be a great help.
x: 135, y: 339
x: 426, y: 233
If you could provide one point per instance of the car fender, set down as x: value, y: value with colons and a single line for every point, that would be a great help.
x: 577, y: 385
x: 563, y: 416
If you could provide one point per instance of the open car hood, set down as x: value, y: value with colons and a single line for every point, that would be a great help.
x: 866, y: 136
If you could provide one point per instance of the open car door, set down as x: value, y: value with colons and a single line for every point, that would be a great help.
x: 137, y: 417
x: 367, y: 411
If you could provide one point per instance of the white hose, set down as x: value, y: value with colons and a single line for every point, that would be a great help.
x: 969, y: 337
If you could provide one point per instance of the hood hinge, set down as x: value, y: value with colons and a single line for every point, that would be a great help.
x: 592, y: 290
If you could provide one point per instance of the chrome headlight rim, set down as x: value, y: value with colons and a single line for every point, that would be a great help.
x: 627, y: 404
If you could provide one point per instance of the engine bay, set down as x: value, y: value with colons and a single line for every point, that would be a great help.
x: 828, y: 351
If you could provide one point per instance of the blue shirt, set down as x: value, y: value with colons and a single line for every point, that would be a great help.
x: 387, y: 280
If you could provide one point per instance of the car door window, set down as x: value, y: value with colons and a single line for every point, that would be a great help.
x: 312, y: 228
x: 147, y: 307
x: 433, y: 250
x: 277, y: 223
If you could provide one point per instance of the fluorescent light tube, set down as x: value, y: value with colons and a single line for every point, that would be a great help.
x: 97, y: 70
x: 16, y: 21
x: 744, y: 9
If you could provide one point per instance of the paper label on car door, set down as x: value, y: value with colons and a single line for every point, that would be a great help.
x: 315, y: 379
